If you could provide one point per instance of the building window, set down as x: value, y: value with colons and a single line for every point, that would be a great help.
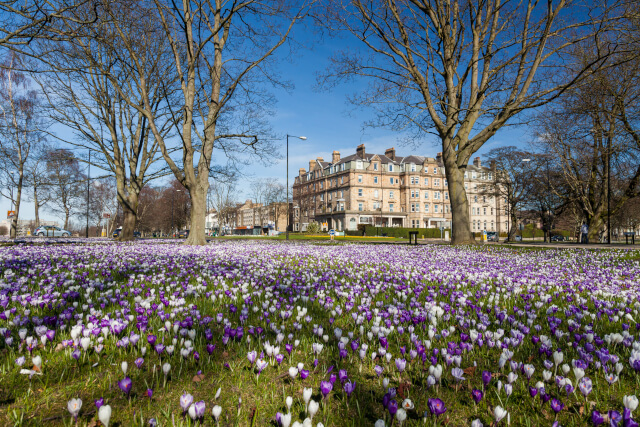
x: 375, y: 194
x: 490, y: 176
x: 390, y: 168
x: 435, y: 208
x: 375, y: 179
x: 485, y: 211
x: 341, y: 194
x: 473, y: 175
x: 436, y: 195
x: 447, y: 208
x: 376, y: 206
x: 358, y: 164
x: 475, y: 199
x: 426, y: 194
x: 391, y: 181
x: 446, y: 195
x: 390, y: 207
x: 473, y: 210
x: 413, y: 207
x: 375, y: 166
x: 436, y: 182
x: 426, y: 208
x: 342, y: 180
x: 485, y: 225
x: 359, y: 178
x: 321, y: 185
x: 435, y: 171
x: 466, y: 186
x: 446, y: 183
x: 413, y: 167
x: 391, y: 194
x: 492, y: 228
x: 426, y: 181
x: 360, y: 207
x: 359, y: 192
x: 322, y: 197
x: 466, y: 175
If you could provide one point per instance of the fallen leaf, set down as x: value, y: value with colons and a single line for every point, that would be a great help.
x: 59, y: 347
x: 581, y: 410
x: 198, y: 378
x: 471, y: 370
x: 531, y: 358
x: 35, y: 368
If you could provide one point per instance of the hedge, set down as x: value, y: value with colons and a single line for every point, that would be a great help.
x: 428, y: 233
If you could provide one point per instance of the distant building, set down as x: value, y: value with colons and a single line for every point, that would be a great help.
x: 389, y: 191
x: 257, y: 219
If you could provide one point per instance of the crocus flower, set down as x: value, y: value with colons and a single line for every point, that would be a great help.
x: 596, y: 418
x: 125, y: 385
x: 556, y: 405
x: 477, y: 395
x: 630, y: 402
x: 585, y: 386
x: 325, y: 388
x: 436, y: 406
x: 401, y: 364
x: 185, y: 401
x: 74, y: 406
x: 486, y: 378
x: 99, y: 402
x: 499, y: 413
x: 138, y: 362
x: 104, y: 415
x: 349, y: 387
x: 392, y: 407
x: 149, y: 393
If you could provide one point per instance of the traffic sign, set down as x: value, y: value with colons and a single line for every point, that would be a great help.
x: 332, y: 232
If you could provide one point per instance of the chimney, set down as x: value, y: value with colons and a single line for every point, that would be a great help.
x: 301, y: 171
x: 439, y: 158
x: 320, y: 159
x: 476, y: 162
x: 311, y: 165
x: 391, y: 153
x: 335, y: 157
x: 493, y: 165
x: 360, y: 151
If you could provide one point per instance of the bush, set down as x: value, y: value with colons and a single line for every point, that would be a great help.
x: 313, y: 228
x: 354, y: 232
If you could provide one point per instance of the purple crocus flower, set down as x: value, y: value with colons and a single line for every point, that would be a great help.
x: 392, y: 407
x: 185, y: 401
x: 596, y: 418
x: 149, y: 393
x: 477, y: 395
x: 556, y: 405
x: 342, y: 375
x: 332, y: 378
x: 585, y: 386
x: 210, y: 348
x: 349, y: 387
x: 151, y: 339
x: 138, y: 362
x: 325, y: 388
x: 304, y: 373
x: 533, y: 391
x: 486, y: 378
x: 200, y: 408
x: 378, y: 370
x: 436, y: 406
x: 401, y: 364
x: 99, y: 402
x: 125, y: 385
x: 76, y: 354
x: 614, y: 418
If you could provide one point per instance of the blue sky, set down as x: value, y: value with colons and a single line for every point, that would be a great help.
x: 326, y: 119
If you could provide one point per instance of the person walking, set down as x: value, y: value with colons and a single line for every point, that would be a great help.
x: 584, y: 231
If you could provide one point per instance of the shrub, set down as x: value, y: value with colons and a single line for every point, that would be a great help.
x: 313, y: 228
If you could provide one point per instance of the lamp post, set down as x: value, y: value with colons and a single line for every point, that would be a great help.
x: 173, y: 203
x: 88, y: 183
x: 304, y: 139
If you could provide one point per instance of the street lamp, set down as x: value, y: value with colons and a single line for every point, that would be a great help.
x: 304, y: 138
x: 88, y: 184
x: 173, y: 202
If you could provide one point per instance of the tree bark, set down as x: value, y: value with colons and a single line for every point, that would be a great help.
x: 36, y: 207
x: 460, y: 222
x: 198, y: 215
x: 129, y: 205
x: 514, y: 224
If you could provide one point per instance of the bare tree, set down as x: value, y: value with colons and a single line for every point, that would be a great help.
x: 65, y: 184
x: 37, y: 179
x: 513, y: 182
x: 84, y: 90
x: 222, y: 198
x: 23, y: 21
x: 458, y: 70
x: 20, y: 131
x: 593, y: 131
x: 222, y: 53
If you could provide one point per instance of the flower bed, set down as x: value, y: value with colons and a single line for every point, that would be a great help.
x: 253, y: 332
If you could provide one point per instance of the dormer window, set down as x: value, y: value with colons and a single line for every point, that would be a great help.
x: 375, y: 166
x: 413, y: 167
x: 358, y: 164
x: 390, y: 168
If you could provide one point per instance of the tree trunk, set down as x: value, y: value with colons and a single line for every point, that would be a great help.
x: 130, y: 212
x: 595, y: 223
x: 198, y: 196
x: 66, y: 219
x: 514, y: 224
x: 460, y: 230
x: 14, y: 221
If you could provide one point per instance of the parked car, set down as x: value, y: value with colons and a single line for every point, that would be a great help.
x: 492, y: 236
x: 183, y: 234
x: 518, y: 238
x: 558, y: 238
x: 117, y: 231
x: 51, y: 231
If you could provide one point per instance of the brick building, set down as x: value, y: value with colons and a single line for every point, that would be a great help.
x: 256, y: 218
x: 389, y: 191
